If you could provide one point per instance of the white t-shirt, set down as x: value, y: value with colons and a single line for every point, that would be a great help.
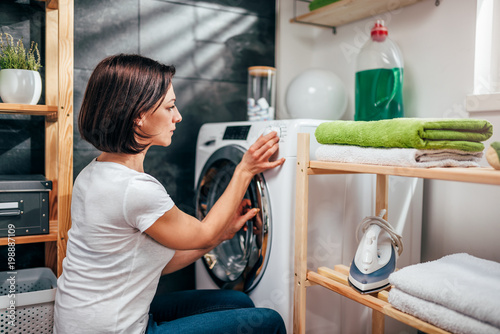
x: 112, y: 268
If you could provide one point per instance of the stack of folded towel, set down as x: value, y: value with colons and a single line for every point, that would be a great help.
x: 315, y: 4
x: 408, y: 142
x: 459, y: 293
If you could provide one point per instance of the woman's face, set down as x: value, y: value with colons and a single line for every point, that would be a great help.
x: 160, y: 124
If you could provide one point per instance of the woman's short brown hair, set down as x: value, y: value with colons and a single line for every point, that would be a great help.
x: 120, y: 90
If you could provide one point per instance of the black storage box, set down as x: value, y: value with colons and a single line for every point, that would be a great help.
x: 24, y: 202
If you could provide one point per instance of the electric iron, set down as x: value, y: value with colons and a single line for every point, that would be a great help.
x: 376, y: 255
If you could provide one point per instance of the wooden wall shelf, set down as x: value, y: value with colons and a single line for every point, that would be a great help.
x: 336, y: 279
x: 27, y: 109
x: 347, y: 11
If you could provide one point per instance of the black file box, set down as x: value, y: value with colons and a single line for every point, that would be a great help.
x: 24, y: 203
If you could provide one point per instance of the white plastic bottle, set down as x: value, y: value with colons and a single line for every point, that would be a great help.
x: 379, y: 78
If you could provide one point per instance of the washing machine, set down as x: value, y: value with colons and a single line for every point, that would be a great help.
x: 259, y: 259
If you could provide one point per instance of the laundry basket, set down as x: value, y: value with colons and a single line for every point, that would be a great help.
x: 33, y: 311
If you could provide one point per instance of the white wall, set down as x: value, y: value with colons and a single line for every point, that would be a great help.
x: 438, y: 48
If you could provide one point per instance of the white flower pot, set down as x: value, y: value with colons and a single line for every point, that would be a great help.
x: 20, y: 86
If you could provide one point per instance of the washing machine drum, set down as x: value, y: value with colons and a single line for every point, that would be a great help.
x: 238, y: 263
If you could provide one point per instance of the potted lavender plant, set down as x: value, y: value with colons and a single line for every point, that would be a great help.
x: 20, y: 81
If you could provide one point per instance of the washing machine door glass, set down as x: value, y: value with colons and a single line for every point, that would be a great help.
x: 238, y: 263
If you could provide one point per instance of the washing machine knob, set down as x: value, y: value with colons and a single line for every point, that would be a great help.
x: 270, y: 129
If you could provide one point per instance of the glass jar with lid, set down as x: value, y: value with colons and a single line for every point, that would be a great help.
x: 261, y: 93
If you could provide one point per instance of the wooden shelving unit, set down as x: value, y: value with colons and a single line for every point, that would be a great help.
x: 336, y: 279
x: 58, y: 113
x: 347, y: 11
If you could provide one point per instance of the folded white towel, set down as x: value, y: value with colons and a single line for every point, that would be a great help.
x: 438, y: 315
x: 404, y: 157
x: 461, y: 282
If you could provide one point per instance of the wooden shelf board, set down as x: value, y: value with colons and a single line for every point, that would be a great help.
x: 347, y: 11
x: 378, y: 304
x: 484, y: 175
x: 28, y: 239
x: 27, y: 109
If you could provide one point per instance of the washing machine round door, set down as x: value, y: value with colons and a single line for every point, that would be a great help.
x: 238, y: 263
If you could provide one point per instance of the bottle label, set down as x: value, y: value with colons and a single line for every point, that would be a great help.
x: 379, y: 94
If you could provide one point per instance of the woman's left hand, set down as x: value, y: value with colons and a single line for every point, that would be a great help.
x: 242, y: 214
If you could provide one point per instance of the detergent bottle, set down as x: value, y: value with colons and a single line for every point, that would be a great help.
x: 379, y: 78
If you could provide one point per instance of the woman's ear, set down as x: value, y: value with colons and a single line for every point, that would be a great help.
x: 139, y: 122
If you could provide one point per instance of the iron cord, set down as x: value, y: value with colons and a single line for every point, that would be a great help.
x: 396, y: 239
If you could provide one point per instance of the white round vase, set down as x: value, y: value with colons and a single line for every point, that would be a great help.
x: 20, y: 86
x: 316, y: 93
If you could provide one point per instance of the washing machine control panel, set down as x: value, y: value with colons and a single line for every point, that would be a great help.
x: 250, y: 132
x: 238, y: 132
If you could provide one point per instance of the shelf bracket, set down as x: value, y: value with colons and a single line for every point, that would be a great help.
x: 344, y: 8
x: 334, y: 29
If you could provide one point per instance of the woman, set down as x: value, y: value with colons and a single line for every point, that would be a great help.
x: 126, y: 230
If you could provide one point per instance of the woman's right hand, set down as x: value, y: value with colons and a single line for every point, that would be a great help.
x: 256, y: 158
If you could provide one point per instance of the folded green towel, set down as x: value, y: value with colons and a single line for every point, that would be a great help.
x: 421, y: 133
x: 315, y: 4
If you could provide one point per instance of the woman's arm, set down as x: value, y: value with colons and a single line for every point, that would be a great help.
x: 180, y: 231
x: 183, y: 258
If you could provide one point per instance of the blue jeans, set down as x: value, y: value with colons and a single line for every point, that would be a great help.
x: 211, y: 312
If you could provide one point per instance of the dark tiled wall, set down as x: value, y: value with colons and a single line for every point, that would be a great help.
x: 212, y: 43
